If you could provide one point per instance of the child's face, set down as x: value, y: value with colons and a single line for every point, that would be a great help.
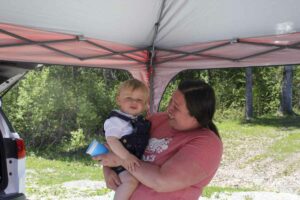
x: 132, y: 102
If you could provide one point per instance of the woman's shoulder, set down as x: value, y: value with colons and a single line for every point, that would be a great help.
x: 204, y: 134
x: 159, y: 124
x: 201, y: 140
x: 157, y: 116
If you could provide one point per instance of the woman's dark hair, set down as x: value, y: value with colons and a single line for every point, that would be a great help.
x: 201, y: 102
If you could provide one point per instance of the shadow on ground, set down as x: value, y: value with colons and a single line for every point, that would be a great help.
x: 287, y: 122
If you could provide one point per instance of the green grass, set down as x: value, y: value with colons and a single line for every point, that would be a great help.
x: 210, y: 190
x: 45, y: 177
x: 290, y: 143
x: 285, y: 133
x: 56, y: 172
x: 276, y: 138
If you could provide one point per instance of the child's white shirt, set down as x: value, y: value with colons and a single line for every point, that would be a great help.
x: 116, y: 127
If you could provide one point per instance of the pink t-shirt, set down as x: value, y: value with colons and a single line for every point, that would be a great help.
x: 197, y: 152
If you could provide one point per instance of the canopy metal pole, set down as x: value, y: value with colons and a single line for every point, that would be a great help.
x: 151, y: 57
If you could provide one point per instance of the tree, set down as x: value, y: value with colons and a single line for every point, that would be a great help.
x: 296, y: 91
x: 52, y: 103
x: 266, y: 89
x: 249, y: 96
x: 286, y: 91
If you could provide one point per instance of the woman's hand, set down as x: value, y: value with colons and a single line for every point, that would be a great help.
x: 111, y: 178
x: 110, y: 159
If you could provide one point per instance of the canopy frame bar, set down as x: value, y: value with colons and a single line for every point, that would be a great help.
x: 151, y: 49
x: 117, y: 53
x: 292, y: 46
x: 194, y: 53
x: 29, y: 42
x: 202, y: 51
x: 112, y: 51
x: 260, y: 53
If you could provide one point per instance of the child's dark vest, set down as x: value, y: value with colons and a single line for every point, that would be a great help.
x: 137, y: 141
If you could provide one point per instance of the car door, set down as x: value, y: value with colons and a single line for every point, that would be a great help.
x: 12, y: 147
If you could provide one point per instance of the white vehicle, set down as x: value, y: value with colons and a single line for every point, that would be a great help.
x: 12, y: 147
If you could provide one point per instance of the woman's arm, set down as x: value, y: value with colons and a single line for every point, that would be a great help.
x: 149, y: 174
x: 168, y: 177
x: 193, y: 163
x: 111, y: 178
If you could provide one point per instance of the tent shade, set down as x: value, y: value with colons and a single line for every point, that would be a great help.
x: 153, y: 40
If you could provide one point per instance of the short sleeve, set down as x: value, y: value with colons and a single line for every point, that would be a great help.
x: 116, y: 127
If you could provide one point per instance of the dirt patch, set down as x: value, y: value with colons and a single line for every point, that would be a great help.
x: 253, y: 196
x: 84, y: 184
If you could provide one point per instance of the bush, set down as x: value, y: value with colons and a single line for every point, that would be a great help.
x: 47, y: 106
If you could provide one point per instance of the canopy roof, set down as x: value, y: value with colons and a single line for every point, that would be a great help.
x: 152, y: 39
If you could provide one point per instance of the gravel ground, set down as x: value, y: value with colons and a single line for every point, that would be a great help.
x: 265, y: 174
x: 244, y: 167
x: 255, y: 195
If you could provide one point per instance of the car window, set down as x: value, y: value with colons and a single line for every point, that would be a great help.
x: 5, y: 126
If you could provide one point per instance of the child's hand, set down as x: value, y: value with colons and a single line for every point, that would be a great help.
x: 131, y: 162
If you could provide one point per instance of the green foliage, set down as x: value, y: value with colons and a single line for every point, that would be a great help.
x: 229, y: 86
x: 230, y: 113
x: 53, y: 101
x: 167, y: 96
x: 296, y: 88
x: 267, y: 89
x: 77, y: 139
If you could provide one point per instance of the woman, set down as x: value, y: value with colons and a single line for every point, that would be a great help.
x: 184, y: 150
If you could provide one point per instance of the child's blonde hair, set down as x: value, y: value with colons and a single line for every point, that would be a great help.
x: 134, y: 84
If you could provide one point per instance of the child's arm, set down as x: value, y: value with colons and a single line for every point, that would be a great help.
x: 129, y: 160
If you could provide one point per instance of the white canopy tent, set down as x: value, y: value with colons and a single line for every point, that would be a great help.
x: 152, y: 39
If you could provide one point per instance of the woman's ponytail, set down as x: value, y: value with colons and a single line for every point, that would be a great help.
x: 213, y: 127
x: 200, y: 100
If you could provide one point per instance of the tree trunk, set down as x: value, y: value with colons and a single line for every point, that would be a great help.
x: 209, y: 76
x: 109, y: 77
x: 249, y: 95
x: 286, y: 92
